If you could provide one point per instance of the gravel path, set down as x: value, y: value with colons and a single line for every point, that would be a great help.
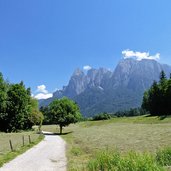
x: 48, y: 155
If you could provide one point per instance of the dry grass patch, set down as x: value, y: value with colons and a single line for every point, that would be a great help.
x: 17, y: 142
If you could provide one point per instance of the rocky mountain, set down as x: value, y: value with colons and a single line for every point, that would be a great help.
x: 101, y: 90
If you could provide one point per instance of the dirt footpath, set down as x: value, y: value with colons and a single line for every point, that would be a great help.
x: 48, y: 155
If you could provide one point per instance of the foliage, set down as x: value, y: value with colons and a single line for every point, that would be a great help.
x: 47, y: 115
x: 36, y: 116
x: 157, y: 99
x: 108, y: 160
x: 163, y: 157
x: 102, y: 116
x: 130, y: 112
x: 18, y: 111
x: 129, y: 162
x: 64, y: 112
x: 3, y: 102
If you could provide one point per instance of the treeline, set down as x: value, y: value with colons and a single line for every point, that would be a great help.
x: 18, y: 110
x: 102, y: 116
x: 124, y: 113
x: 157, y: 100
x: 130, y: 112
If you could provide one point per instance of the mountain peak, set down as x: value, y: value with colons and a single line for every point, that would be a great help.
x: 78, y: 72
x: 101, y: 90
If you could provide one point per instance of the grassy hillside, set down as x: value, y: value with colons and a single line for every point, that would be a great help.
x: 140, y: 134
x: 17, y: 142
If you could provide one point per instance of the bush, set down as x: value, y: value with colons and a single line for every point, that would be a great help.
x: 130, y: 112
x: 102, y: 116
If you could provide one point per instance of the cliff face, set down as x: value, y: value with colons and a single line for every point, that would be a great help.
x: 101, y: 90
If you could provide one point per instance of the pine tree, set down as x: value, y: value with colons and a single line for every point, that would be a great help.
x: 157, y: 99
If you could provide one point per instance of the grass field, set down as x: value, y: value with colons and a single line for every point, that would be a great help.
x: 17, y: 142
x: 139, y: 134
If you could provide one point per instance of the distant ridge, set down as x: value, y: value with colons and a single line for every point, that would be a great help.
x: 101, y: 90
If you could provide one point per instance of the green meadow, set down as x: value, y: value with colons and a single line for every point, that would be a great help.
x: 138, y: 135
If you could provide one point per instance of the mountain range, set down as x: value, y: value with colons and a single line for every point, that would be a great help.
x: 102, y: 90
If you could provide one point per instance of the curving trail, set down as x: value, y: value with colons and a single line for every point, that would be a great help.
x: 48, y: 155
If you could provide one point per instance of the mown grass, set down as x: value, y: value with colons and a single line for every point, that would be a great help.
x: 17, y: 142
x: 139, y: 134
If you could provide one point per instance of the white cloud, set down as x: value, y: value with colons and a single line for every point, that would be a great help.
x: 42, y: 89
x: 43, y: 96
x: 87, y: 67
x: 139, y: 55
x: 42, y: 93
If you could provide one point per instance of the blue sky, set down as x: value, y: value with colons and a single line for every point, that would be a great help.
x: 42, y: 42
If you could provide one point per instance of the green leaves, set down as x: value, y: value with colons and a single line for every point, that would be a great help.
x: 17, y: 108
x: 64, y: 112
x: 157, y: 99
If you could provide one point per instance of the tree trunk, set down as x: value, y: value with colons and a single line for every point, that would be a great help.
x: 60, y: 129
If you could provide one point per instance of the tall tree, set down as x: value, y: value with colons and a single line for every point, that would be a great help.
x: 47, y: 115
x: 3, y: 103
x: 17, y: 107
x: 162, y: 76
x: 154, y: 99
x: 163, y: 86
x: 18, y: 110
x: 157, y: 99
x: 36, y: 117
x: 168, y: 97
x: 64, y: 112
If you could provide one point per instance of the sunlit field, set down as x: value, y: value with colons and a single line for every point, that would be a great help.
x: 139, y: 134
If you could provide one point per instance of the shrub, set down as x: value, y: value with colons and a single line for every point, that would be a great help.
x: 102, y: 116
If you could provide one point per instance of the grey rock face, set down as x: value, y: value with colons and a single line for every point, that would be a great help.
x: 77, y: 84
x: 80, y: 81
x: 137, y: 75
x: 101, y: 90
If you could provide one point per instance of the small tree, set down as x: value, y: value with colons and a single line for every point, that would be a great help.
x: 64, y: 112
x: 102, y: 116
x: 36, y: 117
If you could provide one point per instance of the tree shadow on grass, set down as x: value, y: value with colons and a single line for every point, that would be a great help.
x: 162, y: 117
x: 148, y: 115
x: 54, y: 133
